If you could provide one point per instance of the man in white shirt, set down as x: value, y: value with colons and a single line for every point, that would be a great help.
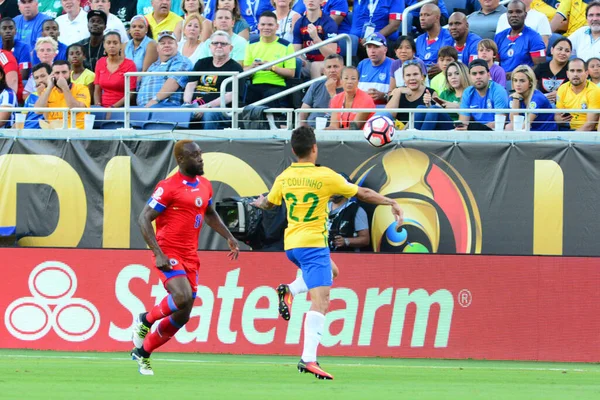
x: 73, y: 24
x: 113, y: 21
x: 586, y: 40
x: 535, y: 20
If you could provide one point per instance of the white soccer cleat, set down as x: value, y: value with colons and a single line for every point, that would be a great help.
x: 139, y: 332
x: 143, y: 363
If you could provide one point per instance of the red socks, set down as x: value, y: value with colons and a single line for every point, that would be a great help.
x: 165, y: 308
x: 167, y: 328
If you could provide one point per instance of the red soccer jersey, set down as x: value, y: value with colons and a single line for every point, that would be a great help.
x: 182, y: 204
x: 9, y: 64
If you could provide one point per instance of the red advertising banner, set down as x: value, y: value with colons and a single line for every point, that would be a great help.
x: 396, y: 305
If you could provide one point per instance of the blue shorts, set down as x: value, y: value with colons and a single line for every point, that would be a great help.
x: 315, y: 263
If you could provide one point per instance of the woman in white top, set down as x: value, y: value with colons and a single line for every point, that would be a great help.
x: 189, y: 46
x: 286, y: 18
x: 190, y: 7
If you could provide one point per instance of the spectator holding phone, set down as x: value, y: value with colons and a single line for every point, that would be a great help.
x: 526, y: 96
x: 457, y: 80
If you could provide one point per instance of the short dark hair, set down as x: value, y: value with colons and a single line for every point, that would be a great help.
x: 39, y: 66
x: 448, y: 51
x: 577, y: 59
x: 269, y: 14
x: 590, y: 5
x: 48, y: 21
x: 61, y: 62
x: 335, y: 56
x: 592, y: 59
x: 562, y: 39
x: 478, y: 62
x: 406, y: 38
x: 7, y: 19
x: 75, y: 45
x: 303, y: 139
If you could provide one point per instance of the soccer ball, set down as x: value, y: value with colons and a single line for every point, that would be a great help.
x: 379, y: 131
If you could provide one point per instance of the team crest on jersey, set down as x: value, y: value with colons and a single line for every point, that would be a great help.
x: 427, y: 56
x: 382, y: 76
x: 173, y: 261
x: 158, y: 193
x: 584, y: 106
x: 248, y: 12
x: 510, y: 52
x: 533, y: 105
x: 198, y: 201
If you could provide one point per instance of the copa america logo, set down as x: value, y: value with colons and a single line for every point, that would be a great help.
x: 52, y: 285
x: 440, y: 212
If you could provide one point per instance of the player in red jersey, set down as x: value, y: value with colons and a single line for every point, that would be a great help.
x: 180, y: 204
x: 13, y: 73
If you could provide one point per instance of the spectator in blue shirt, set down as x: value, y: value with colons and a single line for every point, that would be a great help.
x: 165, y: 91
x: 434, y: 38
x: 484, y: 94
x: 313, y: 28
x: 29, y: 23
x: 50, y: 29
x: 526, y: 96
x: 465, y: 42
x: 376, y: 16
x: 375, y: 72
x: 519, y: 44
x: 20, y: 50
x: 40, y: 74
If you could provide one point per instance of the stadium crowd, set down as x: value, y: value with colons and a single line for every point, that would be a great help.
x: 468, y: 54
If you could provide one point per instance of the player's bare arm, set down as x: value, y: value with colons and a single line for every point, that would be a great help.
x: 263, y: 203
x: 371, y: 196
x: 145, y: 222
x: 213, y: 220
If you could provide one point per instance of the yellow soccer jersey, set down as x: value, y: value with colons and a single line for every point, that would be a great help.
x: 589, y: 99
x: 306, y: 189
x: 574, y: 10
x: 544, y: 8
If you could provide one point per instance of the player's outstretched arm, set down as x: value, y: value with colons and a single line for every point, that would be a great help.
x: 145, y: 219
x: 263, y: 203
x: 371, y: 196
x: 215, y: 222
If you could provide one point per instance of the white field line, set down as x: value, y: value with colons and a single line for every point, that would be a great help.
x: 174, y: 360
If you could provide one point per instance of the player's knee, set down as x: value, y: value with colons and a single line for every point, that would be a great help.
x: 322, y: 304
x: 183, y: 300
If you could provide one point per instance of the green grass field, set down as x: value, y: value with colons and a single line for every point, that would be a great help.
x: 56, y: 375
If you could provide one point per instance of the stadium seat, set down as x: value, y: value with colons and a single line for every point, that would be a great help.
x: 165, y: 120
x: 138, y: 118
x: 456, y: 5
x: 115, y: 121
x: 100, y: 117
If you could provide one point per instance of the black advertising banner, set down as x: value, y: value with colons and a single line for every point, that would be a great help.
x: 489, y: 198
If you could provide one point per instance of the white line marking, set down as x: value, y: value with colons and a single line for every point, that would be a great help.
x: 175, y: 360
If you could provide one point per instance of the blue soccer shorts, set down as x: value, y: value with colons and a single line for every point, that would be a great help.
x: 315, y: 263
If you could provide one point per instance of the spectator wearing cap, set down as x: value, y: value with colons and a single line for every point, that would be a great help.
x: 313, y: 28
x: 348, y: 225
x: 484, y: 94
x: 162, y: 19
x: 73, y: 25
x: 320, y: 93
x: 141, y: 48
x: 375, y: 71
x: 376, y: 16
x: 465, y: 42
x: 50, y: 29
x: 586, y: 40
x: 165, y: 91
x: 268, y: 48
x: 20, y: 50
x: 433, y: 39
x: 483, y: 23
x: 29, y: 23
x: 534, y: 20
x: 112, y: 22
x: 93, y: 46
x: 109, y: 82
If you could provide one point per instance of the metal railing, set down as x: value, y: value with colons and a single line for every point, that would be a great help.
x: 252, y: 71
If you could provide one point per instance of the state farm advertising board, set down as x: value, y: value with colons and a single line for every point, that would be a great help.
x: 396, y: 305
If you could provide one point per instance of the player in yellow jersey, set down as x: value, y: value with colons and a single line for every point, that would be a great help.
x: 306, y: 188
